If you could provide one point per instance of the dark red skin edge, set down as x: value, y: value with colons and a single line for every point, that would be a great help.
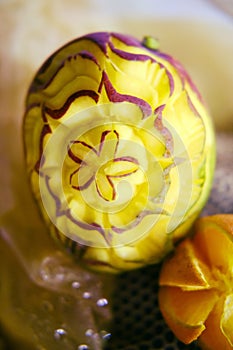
x: 84, y: 54
x: 102, y: 39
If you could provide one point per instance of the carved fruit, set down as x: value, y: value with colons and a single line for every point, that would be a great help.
x: 119, y: 149
x: 196, y: 285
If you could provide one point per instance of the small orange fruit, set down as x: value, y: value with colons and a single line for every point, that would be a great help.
x: 196, y: 285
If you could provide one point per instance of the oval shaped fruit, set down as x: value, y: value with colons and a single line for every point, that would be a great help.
x: 119, y: 149
x: 196, y: 285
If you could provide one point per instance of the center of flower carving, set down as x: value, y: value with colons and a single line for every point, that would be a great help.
x: 109, y: 177
x: 100, y: 164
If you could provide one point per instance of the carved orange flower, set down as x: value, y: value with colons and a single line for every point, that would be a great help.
x: 196, y: 285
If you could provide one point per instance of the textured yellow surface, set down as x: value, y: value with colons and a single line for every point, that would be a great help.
x: 124, y: 146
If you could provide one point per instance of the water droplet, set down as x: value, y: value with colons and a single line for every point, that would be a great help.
x: 105, y: 335
x: 89, y: 332
x: 86, y: 295
x: 59, y: 333
x: 83, y: 347
x: 102, y: 302
x: 76, y: 285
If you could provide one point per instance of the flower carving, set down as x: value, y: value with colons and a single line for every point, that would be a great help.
x: 140, y: 154
x: 100, y: 164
